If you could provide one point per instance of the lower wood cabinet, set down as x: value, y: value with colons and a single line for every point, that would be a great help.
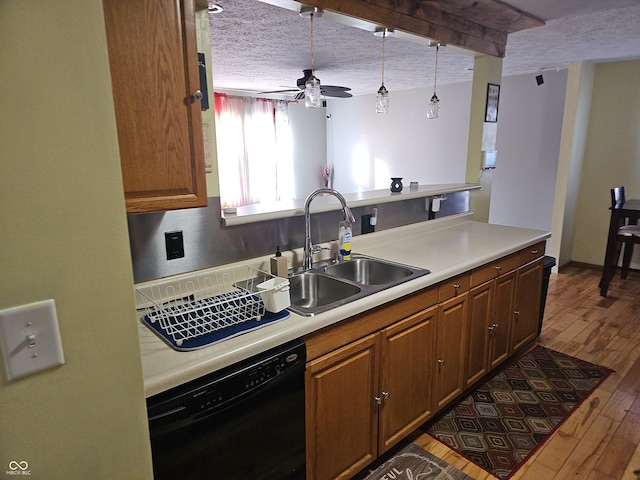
x: 373, y: 379
x: 450, y: 349
x: 489, y: 326
x: 341, y: 412
x: 365, y: 397
x: 527, y: 304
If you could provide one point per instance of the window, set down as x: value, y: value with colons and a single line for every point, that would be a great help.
x: 255, y: 162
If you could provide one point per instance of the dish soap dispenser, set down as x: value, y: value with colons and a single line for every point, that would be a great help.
x: 344, y: 240
x: 279, y: 264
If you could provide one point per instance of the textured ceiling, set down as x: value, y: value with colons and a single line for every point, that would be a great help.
x: 259, y: 47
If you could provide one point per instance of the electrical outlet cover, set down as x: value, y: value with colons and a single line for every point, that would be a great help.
x: 30, y: 339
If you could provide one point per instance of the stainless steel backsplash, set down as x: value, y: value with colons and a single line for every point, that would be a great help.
x: 209, y: 243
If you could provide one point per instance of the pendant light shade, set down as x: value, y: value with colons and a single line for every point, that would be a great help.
x: 382, y: 100
x: 433, y: 108
x: 382, y: 97
x: 312, y: 93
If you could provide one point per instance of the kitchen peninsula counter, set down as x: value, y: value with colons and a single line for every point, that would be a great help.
x: 447, y: 247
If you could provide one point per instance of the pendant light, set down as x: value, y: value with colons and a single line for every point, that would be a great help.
x: 382, y: 97
x: 433, y: 108
x: 312, y: 93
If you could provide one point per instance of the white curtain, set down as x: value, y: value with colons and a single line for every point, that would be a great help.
x: 255, y: 160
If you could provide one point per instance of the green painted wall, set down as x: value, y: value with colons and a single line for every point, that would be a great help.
x: 65, y: 237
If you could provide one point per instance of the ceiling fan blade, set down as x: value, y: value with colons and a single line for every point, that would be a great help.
x: 336, y: 93
x: 335, y: 88
x: 282, y: 91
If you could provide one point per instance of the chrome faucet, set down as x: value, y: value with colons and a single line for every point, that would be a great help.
x: 308, y: 246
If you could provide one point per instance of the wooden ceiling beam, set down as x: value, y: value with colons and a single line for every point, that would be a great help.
x: 477, y: 25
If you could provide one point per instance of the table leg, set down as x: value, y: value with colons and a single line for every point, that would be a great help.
x: 609, y: 266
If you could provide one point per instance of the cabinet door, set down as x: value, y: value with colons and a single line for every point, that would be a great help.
x: 341, y: 410
x: 405, y: 377
x: 450, y: 349
x: 480, y: 317
x: 527, y: 304
x: 154, y: 72
x: 500, y: 327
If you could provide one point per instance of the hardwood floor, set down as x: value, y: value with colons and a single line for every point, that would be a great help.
x: 601, y: 440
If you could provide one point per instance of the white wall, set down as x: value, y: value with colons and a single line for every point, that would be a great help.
x: 528, y: 143
x: 367, y: 148
x: 308, y: 130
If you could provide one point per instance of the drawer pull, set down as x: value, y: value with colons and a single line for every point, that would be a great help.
x: 456, y: 286
x: 441, y: 362
x: 535, y: 252
x: 498, y: 268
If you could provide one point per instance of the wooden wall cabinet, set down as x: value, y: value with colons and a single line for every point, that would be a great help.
x: 153, y: 60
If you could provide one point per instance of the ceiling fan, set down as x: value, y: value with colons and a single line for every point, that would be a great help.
x: 326, y: 90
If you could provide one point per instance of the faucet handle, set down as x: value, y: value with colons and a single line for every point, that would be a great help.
x: 317, y: 249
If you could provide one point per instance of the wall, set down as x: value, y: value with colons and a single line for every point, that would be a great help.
x: 573, y: 141
x: 309, y: 133
x: 370, y: 148
x: 612, y: 155
x: 62, y: 211
x: 528, y: 142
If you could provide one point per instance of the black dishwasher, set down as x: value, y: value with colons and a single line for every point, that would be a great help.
x: 245, y: 421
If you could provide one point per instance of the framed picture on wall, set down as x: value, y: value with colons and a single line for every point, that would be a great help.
x: 493, y: 96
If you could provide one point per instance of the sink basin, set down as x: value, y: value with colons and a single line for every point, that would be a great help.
x: 328, y: 286
x: 369, y: 271
x: 312, y: 292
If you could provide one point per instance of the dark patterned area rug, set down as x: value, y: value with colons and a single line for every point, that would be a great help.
x: 415, y: 463
x: 507, y: 418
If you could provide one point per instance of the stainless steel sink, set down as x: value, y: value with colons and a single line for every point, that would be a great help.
x: 370, y: 271
x: 329, y: 286
x: 313, y: 292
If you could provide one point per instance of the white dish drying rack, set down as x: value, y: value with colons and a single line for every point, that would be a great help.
x: 197, y: 304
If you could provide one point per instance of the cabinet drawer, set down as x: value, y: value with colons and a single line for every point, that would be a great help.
x: 335, y: 336
x: 494, y: 269
x: 532, y: 253
x: 453, y: 287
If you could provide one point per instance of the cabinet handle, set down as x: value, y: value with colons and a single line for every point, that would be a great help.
x: 197, y: 95
x: 440, y: 362
x: 493, y: 326
x: 534, y: 252
x: 378, y: 400
x: 386, y: 394
x: 517, y: 313
x: 498, y: 268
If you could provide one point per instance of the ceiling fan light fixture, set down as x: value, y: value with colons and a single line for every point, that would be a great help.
x: 312, y: 93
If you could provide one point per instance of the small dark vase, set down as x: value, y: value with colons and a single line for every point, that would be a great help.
x: 396, y: 184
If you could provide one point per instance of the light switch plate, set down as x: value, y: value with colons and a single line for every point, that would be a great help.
x: 30, y: 339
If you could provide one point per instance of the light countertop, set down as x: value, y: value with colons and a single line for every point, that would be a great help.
x: 447, y: 246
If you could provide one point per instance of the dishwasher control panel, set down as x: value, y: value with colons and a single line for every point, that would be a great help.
x: 203, y: 397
